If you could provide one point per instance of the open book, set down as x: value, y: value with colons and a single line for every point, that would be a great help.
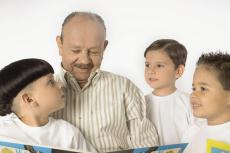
x: 175, y: 148
x: 214, y: 146
x: 9, y: 147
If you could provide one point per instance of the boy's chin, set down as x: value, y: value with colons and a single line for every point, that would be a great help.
x: 61, y: 106
x: 198, y: 115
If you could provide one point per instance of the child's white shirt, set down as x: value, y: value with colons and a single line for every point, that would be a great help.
x: 170, y: 114
x: 197, y: 137
x: 56, y: 133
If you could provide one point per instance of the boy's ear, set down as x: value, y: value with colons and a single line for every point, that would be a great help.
x: 28, y: 99
x: 229, y: 98
x: 179, y: 71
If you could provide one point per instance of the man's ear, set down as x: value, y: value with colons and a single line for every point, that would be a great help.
x: 105, y: 44
x: 179, y: 71
x: 59, y: 44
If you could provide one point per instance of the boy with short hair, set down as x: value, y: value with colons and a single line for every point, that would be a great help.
x: 167, y: 107
x: 211, y: 100
x: 28, y: 95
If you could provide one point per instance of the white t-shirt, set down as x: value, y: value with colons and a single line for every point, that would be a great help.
x: 197, y: 136
x: 56, y: 133
x: 170, y: 114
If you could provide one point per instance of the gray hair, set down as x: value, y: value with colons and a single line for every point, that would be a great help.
x: 92, y: 16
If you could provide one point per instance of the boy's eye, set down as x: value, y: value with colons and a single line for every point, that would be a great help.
x: 146, y: 64
x: 160, y: 65
x: 203, y: 89
x: 51, y: 82
x: 193, y: 88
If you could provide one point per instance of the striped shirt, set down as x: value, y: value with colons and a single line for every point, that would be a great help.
x: 109, y: 110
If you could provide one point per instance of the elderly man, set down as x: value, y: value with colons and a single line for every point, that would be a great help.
x: 109, y: 109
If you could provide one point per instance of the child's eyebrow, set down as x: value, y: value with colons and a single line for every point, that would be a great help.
x: 201, y: 83
x: 157, y: 62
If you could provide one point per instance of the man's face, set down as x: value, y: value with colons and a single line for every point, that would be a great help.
x: 82, y: 47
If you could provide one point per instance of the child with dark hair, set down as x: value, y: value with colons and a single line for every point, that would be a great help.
x: 210, y: 99
x: 167, y: 107
x: 28, y: 95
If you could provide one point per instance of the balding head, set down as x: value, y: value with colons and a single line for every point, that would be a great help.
x: 86, y: 16
x: 82, y: 44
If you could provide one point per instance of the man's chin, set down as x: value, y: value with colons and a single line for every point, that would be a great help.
x: 82, y: 78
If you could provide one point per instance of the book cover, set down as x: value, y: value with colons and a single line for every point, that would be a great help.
x: 214, y: 146
x: 174, y: 148
x: 9, y: 147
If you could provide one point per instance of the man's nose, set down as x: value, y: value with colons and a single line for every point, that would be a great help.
x: 84, y: 57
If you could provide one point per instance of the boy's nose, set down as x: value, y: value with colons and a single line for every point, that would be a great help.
x: 151, y: 71
x: 60, y: 84
x: 193, y: 95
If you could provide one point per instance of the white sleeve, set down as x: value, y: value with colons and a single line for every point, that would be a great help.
x: 189, y: 133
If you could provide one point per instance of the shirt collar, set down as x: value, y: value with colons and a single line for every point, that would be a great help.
x: 93, y: 78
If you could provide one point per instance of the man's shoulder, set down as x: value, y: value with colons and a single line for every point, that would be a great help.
x: 113, y: 75
x: 119, y: 80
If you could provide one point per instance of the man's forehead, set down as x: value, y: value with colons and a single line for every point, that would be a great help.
x: 89, y: 29
x: 84, y: 23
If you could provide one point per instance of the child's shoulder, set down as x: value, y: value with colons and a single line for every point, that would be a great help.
x: 149, y: 97
x: 7, y: 119
x: 190, y: 132
x: 181, y: 94
x: 8, y: 123
x: 61, y: 124
x: 182, y: 97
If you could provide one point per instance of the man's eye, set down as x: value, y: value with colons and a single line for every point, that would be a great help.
x: 94, y: 52
x: 76, y: 50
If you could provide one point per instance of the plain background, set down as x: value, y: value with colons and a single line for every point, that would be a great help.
x: 28, y: 28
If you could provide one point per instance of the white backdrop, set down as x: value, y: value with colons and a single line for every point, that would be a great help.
x: 28, y: 29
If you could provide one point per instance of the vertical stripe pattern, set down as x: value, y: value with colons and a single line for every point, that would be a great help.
x: 110, y: 111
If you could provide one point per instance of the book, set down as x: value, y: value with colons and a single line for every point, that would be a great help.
x: 9, y: 147
x: 214, y: 146
x: 174, y: 148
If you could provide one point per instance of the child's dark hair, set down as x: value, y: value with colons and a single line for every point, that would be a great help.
x: 16, y: 76
x: 175, y: 50
x: 220, y: 63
